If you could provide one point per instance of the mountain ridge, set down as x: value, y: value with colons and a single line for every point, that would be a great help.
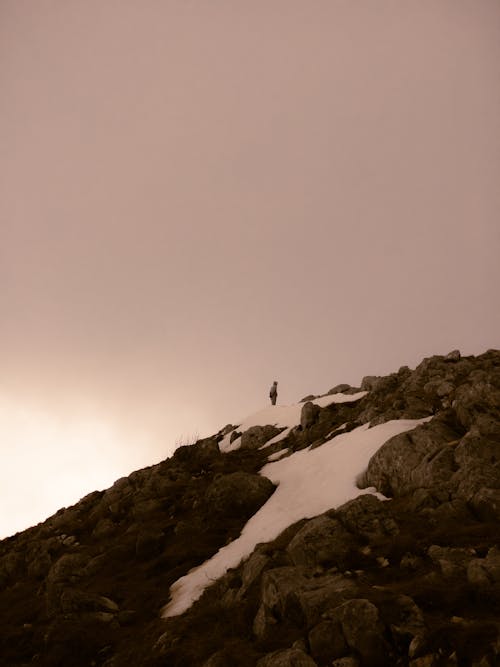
x: 412, y: 580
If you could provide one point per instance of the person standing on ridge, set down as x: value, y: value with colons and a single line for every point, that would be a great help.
x: 273, y: 393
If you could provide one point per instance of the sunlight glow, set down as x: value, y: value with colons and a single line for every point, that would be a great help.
x: 49, y: 462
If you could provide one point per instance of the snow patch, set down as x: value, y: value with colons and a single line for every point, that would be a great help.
x: 310, y: 481
x: 283, y: 416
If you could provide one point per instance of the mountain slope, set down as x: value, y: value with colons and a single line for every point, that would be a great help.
x: 411, y: 580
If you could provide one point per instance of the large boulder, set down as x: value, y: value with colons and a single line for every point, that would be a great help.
x: 421, y: 458
x: 368, y: 517
x: 238, y: 493
x: 322, y: 541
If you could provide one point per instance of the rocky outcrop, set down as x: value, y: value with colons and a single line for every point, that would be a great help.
x: 410, y: 580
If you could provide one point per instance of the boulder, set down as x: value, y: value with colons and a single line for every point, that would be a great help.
x: 340, y: 389
x: 484, y: 572
x: 410, y: 621
x: 64, y: 574
x: 363, y: 631
x: 453, y: 562
x: 486, y: 504
x: 239, y: 493
x: 322, y: 595
x: 252, y: 570
x: 368, y: 517
x: 279, y: 590
x: 256, y: 436
x: 414, y: 459
x: 309, y: 415
x: 370, y: 382
x: 264, y: 624
x: 77, y: 601
x: 475, y: 399
x: 321, y: 541
x: 327, y: 642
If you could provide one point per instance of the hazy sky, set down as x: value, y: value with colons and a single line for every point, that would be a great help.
x: 198, y: 198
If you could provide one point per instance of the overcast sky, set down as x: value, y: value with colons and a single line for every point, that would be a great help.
x: 198, y: 198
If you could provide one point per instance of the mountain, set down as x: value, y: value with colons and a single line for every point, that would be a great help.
x: 359, y: 528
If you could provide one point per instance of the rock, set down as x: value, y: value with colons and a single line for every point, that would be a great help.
x: 368, y: 517
x: 444, y: 389
x: 38, y: 561
x: 11, y: 565
x: 103, y: 528
x: 77, y: 601
x: 309, y: 415
x: 234, y: 436
x: 453, y: 356
x: 455, y: 510
x: 256, y: 436
x: 483, y: 572
x: 321, y: 541
x: 474, y: 399
x: 370, y: 382
x: 410, y: 562
x: 453, y: 562
x: 410, y: 622
x: 414, y: 459
x: 486, y: 504
x: 210, y: 446
x: 339, y: 389
x: 327, y: 642
x: 322, y: 595
x: 279, y: 590
x: 291, y: 657
x: 363, y: 631
x: 238, y: 493
x: 65, y: 573
x: 252, y: 570
x: 264, y: 624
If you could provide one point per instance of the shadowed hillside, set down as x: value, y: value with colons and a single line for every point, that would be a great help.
x: 412, y: 580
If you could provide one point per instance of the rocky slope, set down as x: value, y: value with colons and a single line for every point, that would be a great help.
x: 414, y: 580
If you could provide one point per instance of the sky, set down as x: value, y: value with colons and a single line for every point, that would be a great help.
x: 304, y: 490
x: 199, y: 198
